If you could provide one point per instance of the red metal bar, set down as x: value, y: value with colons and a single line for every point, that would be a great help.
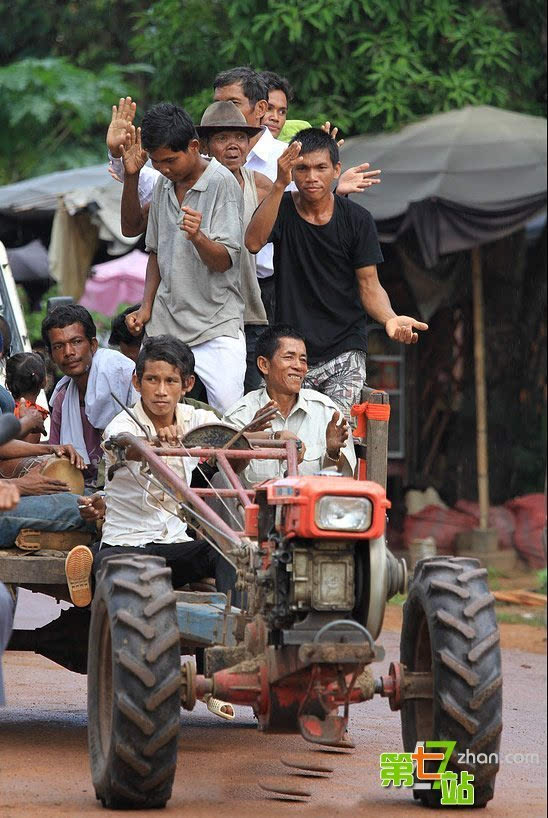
x: 232, y: 478
x: 177, y: 485
x: 292, y: 458
x: 222, y: 492
x: 235, y: 454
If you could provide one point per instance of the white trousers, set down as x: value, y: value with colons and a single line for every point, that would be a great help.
x: 220, y: 363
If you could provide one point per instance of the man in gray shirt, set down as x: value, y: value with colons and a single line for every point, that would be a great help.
x: 194, y: 235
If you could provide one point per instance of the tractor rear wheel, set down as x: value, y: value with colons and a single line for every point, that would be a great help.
x: 450, y: 630
x: 133, y: 683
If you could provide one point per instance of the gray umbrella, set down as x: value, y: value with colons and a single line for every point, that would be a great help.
x: 460, y: 179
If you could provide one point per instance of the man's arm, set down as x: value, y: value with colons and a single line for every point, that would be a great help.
x: 264, y: 218
x: 214, y: 254
x: 134, y: 215
x: 135, y: 321
x: 263, y: 185
x: 376, y: 303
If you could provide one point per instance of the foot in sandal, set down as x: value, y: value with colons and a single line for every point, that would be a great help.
x: 78, y: 565
x: 219, y: 708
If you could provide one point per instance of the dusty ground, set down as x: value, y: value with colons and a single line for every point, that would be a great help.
x: 44, y: 767
x: 520, y: 636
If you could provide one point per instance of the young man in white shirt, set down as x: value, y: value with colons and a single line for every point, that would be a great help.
x: 139, y: 517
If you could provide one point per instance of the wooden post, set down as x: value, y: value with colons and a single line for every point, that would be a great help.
x: 481, y: 391
x: 376, y: 439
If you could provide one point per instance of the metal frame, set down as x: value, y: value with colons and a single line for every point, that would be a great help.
x: 176, y: 486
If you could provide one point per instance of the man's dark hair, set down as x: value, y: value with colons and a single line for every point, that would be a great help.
x: 314, y: 139
x: 169, y: 349
x: 276, y: 83
x: 269, y: 340
x: 64, y: 316
x: 253, y: 84
x: 167, y: 126
x: 119, y: 332
x: 25, y: 372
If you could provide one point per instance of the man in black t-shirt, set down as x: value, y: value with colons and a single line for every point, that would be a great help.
x: 325, y: 255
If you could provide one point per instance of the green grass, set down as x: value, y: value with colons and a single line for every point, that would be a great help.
x: 535, y: 618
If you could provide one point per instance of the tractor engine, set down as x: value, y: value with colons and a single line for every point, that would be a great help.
x: 317, y: 583
x: 312, y: 531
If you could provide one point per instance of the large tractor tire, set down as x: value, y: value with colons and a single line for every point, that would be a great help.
x: 450, y: 629
x: 133, y: 683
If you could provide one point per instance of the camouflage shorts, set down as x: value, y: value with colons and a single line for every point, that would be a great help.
x: 341, y: 379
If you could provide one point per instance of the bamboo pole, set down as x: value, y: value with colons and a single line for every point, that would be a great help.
x: 481, y: 391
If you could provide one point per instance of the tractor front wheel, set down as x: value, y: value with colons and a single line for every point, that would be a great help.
x: 450, y: 630
x: 133, y: 683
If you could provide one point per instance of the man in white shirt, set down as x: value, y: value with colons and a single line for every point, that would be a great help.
x: 303, y: 413
x: 140, y: 518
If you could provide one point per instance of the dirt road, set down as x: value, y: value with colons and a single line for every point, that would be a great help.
x: 44, y: 768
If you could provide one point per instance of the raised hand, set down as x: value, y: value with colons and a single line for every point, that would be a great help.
x: 123, y: 115
x: 333, y: 132
x: 400, y: 328
x: 357, y: 179
x: 263, y: 416
x: 191, y: 222
x: 287, y: 162
x: 336, y: 435
x: 133, y: 155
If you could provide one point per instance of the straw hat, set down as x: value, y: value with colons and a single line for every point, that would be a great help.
x: 224, y: 116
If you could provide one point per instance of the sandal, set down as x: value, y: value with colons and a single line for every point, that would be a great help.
x: 78, y: 565
x: 217, y: 706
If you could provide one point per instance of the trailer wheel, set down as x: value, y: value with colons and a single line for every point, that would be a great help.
x: 450, y: 629
x: 133, y: 683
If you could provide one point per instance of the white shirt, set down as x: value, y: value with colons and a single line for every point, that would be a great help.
x: 133, y: 515
x: 263, y: 157
x: 308, y: 419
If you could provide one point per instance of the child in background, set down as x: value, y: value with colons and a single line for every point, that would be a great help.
x: 25, y: 377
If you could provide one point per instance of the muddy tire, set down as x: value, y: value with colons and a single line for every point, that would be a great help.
x: 450, y: 629
x: 133, y: 683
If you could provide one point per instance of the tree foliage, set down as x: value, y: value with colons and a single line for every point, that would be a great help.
x: 53, y: 115
x: 366, y: 65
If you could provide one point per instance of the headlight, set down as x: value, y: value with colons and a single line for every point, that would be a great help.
x: 343, y: 513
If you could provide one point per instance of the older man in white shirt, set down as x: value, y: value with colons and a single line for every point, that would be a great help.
x: 305, y: 414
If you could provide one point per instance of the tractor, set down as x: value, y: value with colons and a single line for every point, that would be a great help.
x: 313, y: 576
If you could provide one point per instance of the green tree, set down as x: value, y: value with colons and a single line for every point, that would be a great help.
x: 367, y: 65
x: 53, y: 115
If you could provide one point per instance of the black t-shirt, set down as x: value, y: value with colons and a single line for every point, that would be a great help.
x: 315, y: 278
